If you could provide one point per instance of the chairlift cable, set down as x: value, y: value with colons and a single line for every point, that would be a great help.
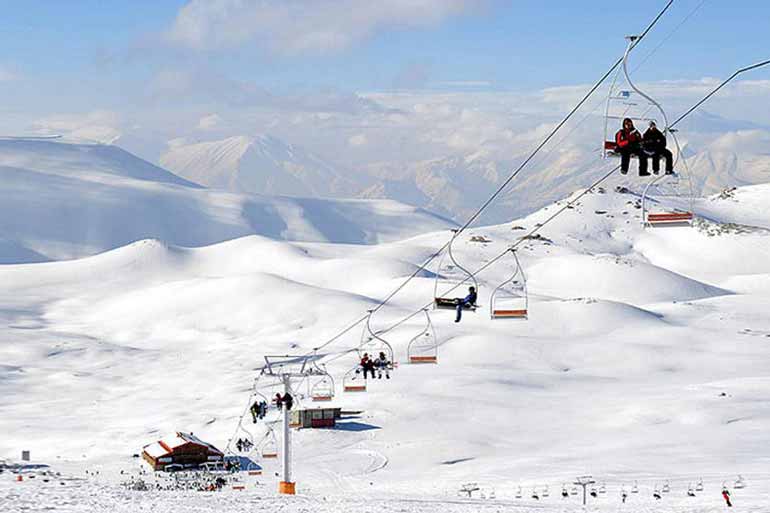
x: 502, y: 187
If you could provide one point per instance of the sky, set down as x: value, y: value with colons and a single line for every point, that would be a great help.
x: 148, y: 72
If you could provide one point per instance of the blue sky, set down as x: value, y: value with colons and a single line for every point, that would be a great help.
x: 150, y: 72
x: 512, y: 45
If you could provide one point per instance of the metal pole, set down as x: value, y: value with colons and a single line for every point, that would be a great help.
x: 286, y: 486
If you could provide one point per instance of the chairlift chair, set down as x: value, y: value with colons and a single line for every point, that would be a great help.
x: 352, y: 381
x: 667, y: 199
x: 323, y: 389
x: 450, y: 277
x: 269, y: 446
x: 518, y: 493
x: 603, y: 488
x: 546, y: 493
x: 635, y: 488
x: 423, y: 348
x: 373, y: 344
x: 699, y: 486
x: 564, y: 492
x: 739, y: 483
x: 509, y: 300
x: 666, y: 488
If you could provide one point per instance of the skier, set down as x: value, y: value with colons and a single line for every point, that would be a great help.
x: 628, y: 141
x: 382, y: 364
x: 467, y: 301
x: 654, y: 144
x: 726, y: 496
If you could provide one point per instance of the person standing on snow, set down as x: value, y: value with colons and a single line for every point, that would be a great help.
x: 654, y: 144
x: 466, y: 302
x: 628, y: 142
x: 726, y: 497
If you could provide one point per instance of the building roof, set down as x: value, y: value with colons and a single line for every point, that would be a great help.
x: 167, y: 444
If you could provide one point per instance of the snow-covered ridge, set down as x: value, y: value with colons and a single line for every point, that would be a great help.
x: 62, y: 200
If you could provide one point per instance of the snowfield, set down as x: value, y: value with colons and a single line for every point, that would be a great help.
x: 645, y: 359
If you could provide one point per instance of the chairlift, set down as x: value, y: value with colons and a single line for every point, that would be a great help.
x: 739, y: 483
x: 322, y: 390
x: 573, y: 490
x: 593, y: 492
x: 635, y: 488
x: 509, y: 300
x: 603, y: 488
x: 518, y: 493
x: 352, y: 381
x: 546, y: 493
x: 699, y: 486
x: 564, y: 492
x: 450, y: 277
x: 269, y: 447
x: 373, y: 344
x: 535, y: 494
x: 690, y: 490
x: 666, y: 487
x: 423, y: 348
x: 667, y: 199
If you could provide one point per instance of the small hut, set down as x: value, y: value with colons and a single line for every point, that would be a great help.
x: 180, y: 449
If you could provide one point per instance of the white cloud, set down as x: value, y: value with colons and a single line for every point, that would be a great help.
x: 209, y: 122
x: 98, y: 126
x: 7, y: 74
x: 302, y: 26
x: 358, y: 140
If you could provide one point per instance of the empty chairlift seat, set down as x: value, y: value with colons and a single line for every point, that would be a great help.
x: 423, y: 348
x: 509, y: 300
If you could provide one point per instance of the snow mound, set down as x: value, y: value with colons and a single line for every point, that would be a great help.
x: 614, y: 278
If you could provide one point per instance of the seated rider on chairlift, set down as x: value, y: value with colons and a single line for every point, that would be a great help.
x: 279, y: 400
x: 629, y: 142
x: 654, y: 144
x: 258, y: 410
x: 367, y: 364
x: 467, y: 301
x: 382, y: 364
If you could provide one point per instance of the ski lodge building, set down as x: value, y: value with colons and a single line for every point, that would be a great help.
x: 181, y: 449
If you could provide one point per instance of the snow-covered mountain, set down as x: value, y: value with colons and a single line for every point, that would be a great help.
x: 260, y: 164
x: 65, y: 200
x: 643, y: 362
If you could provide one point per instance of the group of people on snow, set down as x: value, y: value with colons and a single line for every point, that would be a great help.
x: 629, y: 142
x: 381, y: 364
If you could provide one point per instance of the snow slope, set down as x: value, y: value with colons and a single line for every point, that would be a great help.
x: 642, y: 361
x: 261, y: 164
x: 61, y: 200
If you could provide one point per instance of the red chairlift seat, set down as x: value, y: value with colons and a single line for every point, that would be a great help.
x: 663, y: 218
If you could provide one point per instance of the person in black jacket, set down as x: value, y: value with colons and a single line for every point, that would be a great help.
x: 654, y: 144
x: 465, y: 302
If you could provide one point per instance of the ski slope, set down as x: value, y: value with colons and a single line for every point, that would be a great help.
x: 643, y: 360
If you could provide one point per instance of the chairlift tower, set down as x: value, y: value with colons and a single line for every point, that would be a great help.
x: 585, y: 482
x: 285, y: 368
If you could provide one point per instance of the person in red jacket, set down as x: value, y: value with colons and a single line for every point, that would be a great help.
x: 628, y: 142
x: 726, y: 497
